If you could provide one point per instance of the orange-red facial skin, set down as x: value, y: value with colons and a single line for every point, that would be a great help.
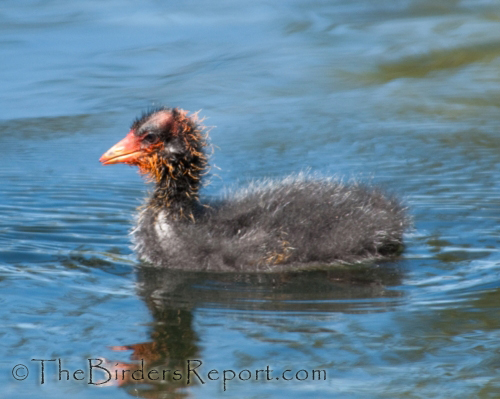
x: 131, y: 151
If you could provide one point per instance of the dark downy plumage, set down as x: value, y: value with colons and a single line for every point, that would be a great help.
x: 272, y: 225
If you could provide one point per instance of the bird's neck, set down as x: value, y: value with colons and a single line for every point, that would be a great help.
x: 176, y: 192
x: 178, y: 176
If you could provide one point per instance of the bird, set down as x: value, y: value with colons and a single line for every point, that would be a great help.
x: 271, y: 225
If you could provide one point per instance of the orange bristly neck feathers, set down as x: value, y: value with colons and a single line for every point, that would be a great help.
x: 178, y: 179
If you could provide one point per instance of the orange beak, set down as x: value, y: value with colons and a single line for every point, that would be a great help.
x: 126, y: 151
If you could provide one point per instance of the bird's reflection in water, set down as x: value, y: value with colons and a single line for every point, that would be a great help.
x: 171, y: 297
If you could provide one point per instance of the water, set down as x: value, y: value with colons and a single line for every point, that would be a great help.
x: 400, y: 93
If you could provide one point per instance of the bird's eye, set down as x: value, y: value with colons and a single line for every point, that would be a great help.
x: 149, y: 138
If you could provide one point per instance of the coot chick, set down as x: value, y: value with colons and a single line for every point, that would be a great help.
x: 272, y: 225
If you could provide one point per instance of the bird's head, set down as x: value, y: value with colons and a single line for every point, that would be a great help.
x: 166, y: 144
